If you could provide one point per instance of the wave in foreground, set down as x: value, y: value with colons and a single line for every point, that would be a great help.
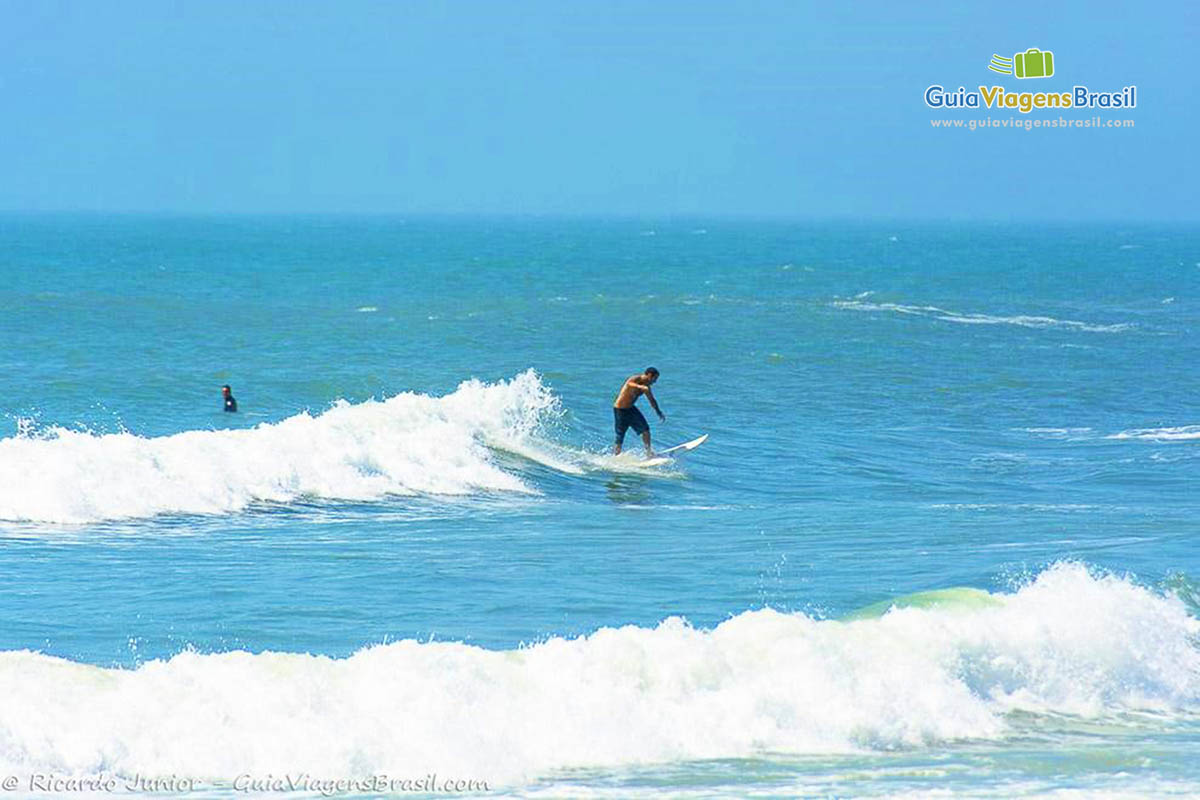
x: 407, y: 444
x: 1070, y: 642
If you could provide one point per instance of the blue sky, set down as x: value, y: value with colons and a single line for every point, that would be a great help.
x: 788, y: 109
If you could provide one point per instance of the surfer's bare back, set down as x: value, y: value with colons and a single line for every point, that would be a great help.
x: 626, y: 414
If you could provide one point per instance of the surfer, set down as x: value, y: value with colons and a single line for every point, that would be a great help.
x: 626, y: 414
x: 230, y: 403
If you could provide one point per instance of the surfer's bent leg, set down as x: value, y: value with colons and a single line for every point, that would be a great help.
x: 639, y: 425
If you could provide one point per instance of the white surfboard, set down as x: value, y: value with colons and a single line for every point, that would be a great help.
x: 692, y: 445
x: 633, y: 461
x: 660, y: 457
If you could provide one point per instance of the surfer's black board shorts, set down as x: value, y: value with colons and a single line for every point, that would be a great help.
x: 626, y: 418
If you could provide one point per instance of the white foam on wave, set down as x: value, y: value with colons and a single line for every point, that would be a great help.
x: 1024, y: 321
x: 1070, y: 642
x: 1058, y: 433
x: 407, y: 444
x: 1175, y: 434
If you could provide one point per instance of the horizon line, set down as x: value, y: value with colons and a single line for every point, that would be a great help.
x: 631, y: 216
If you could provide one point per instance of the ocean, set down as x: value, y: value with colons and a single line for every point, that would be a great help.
x: 941, y: 540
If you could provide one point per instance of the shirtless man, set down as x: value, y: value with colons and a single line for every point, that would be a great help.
x: 626, y: 414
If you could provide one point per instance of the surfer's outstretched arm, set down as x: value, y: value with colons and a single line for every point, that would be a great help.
x: 654, y: 404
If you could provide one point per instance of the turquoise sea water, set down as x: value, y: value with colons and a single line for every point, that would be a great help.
x: 941, y: 539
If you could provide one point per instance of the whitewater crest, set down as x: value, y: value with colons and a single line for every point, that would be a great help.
x: 1180, y: 433
x: 407, y: 444
x: 1068, y: 643
x: 859, y: 303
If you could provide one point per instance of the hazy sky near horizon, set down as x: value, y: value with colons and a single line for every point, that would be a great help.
x: 761, y: 108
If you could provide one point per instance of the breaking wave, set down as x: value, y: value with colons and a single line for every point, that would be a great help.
x: 945, y: 666
x: 407, y: 444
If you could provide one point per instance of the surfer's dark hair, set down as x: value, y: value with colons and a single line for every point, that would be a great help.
x: 652, y: 371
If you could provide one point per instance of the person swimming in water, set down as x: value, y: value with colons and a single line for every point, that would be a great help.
x: 230, y: 403
x: 626, y: 414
